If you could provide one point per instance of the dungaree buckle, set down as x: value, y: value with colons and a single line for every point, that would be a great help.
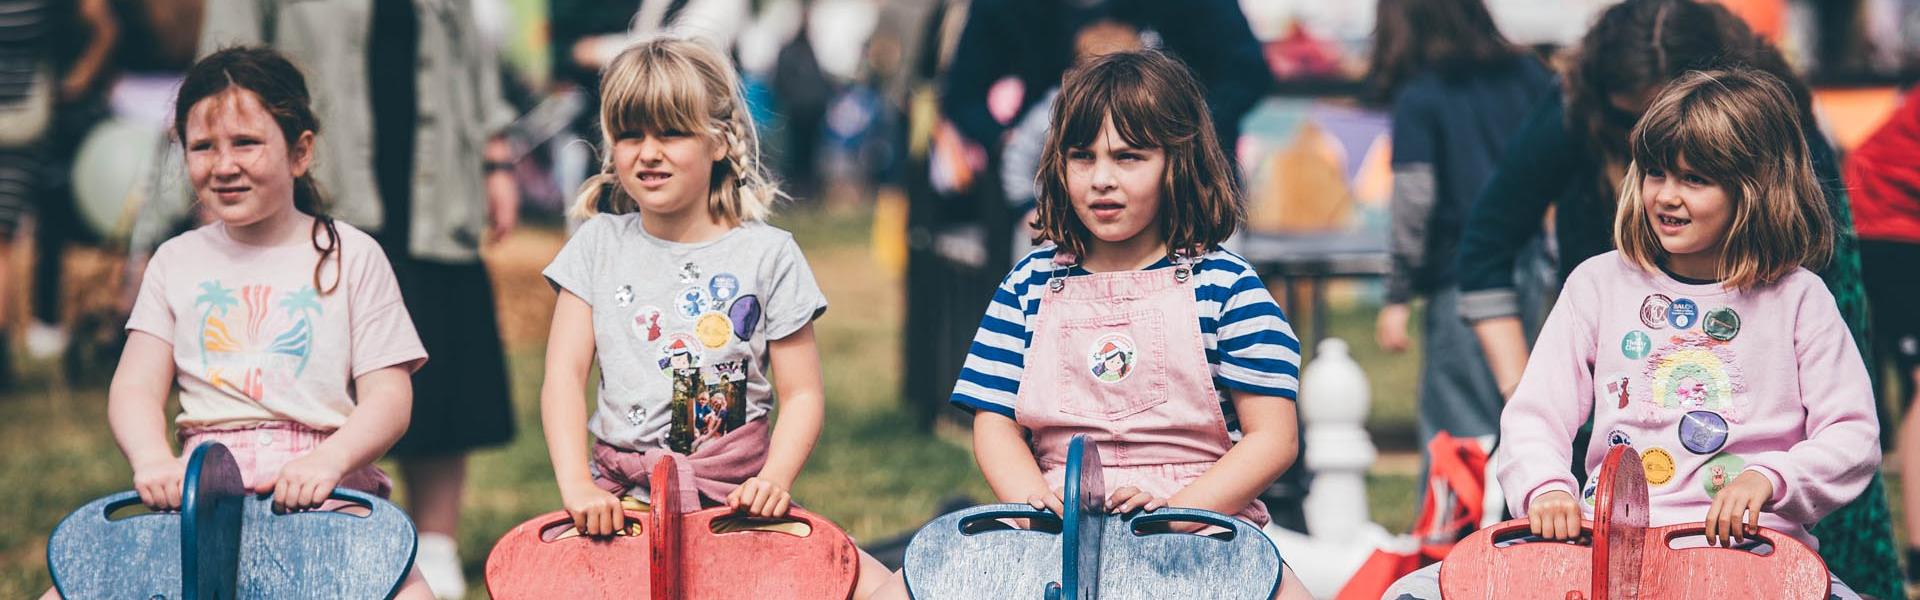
x: 1181, y: 273
x: 1056, y: 284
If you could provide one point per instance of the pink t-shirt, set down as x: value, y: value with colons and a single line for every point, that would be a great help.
x: 252, y: 339
x: 1705, y: 383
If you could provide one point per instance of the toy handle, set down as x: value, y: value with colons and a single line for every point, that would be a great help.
x: 1000, y: 511
x: 1773, y: 538
x: 557, y: 519
x: 1186, y: 515
x: 813, y: 522
x: 1507, y: 531
x: 114, y: 502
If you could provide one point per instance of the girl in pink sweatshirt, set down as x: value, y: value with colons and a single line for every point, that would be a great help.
x: 1703, y: 342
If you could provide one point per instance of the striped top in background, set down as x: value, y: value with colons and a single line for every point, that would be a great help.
x: 1249, y: 344
x: 23, y: 46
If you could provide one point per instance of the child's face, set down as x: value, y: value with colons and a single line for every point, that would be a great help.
x: 238, y: 160
x: 1115, y: 188
x: 667, y: 172
x: 1688, y: 212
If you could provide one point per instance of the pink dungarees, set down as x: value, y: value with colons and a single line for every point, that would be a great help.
x: 1118, y: 356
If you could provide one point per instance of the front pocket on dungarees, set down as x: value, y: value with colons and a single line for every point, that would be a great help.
x: 1113, y: 366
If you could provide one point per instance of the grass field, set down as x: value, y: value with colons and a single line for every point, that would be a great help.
x: 873, y: 473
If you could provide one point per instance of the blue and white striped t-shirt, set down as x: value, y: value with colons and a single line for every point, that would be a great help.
x: 1249, y: 344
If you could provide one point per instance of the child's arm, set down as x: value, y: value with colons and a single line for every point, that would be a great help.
x: 136, y: 411
x: 1841, y: 452
x: 383, y: 406
x: 563, y: 417
x: 1000, y: 447
x: 1269, y: 443
x: 1554, y: 396
x: 796, y: 378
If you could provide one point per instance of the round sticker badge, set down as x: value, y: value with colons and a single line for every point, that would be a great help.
x: 646, y: 323
x: 723, y: 286
x: 690, y: 302
x: 1722, y: 324
x: 679, y: 351
x: 1653, y: 311
x: 1111, y: 358
x: 1636, y: 345
x: 1683, y: 314
x: 1658, y: 466
x: 1720, y: 471
x: 1703, y: 431
x: 623, y: 296
x: 714, y: 329
x: 1618, y: 438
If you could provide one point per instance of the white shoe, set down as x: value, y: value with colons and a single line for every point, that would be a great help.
x: 45, y: 341
x: 439, y: 563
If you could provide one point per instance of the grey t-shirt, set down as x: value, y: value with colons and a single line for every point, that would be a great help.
x: 681, y: 330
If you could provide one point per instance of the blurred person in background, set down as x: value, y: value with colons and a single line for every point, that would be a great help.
x: 417, y: 154
x: 1883, y: 177
x: 1457, y: 90
x: 1572, y: 152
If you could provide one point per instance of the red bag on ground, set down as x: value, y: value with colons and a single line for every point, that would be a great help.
x: 1456, y: 490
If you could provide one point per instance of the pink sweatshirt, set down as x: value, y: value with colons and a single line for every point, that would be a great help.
x: 1706, y: 383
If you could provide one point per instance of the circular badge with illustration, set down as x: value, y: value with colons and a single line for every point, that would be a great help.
x: 1618, y: 438
x: 690, y: 302
x: 679, y: 351
x: 1720, y: 471
x: 1653, y: 311
x: 714, y: 329
x: 1683, y: 314
x: 646, y: 323
x: 723, y: 287
x: 1111, y: 358
x: 744, y: 315
x: 1703, y: 431
x: 623, y: 296
x: 1586, y: 493
x: 1636, y: 345
x: 1658, y: 465
x: 1722, y: 324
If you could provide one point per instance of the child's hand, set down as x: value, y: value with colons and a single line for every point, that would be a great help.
x: 760, y: 498
x: 595, y: 511
x: 158, y: 481
x: 305, y: 482
x: 1128, y: 499
x: 1740, y: 499
x: 1554, y: 515
x: 1048, y: 500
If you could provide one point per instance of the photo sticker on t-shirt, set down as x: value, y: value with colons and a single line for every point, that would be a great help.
x: 255, y: 343
x: 708, y: 402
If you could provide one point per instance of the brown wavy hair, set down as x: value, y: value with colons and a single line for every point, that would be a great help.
x: 1638, y: 46
x: 1738, y: 128
x: 1154, y: 102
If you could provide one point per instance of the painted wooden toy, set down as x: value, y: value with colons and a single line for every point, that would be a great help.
x: 671, y: 553
x: 1619, y: 557
x: 227, y: 543
x: 1086, y: 553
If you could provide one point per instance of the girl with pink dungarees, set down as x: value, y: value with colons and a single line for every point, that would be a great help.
x: 1133, y: 326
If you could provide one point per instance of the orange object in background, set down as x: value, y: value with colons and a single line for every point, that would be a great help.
x: 1849, y: 115
x: 1766, y: 17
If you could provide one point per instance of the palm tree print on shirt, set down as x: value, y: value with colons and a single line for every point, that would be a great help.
x: 264, y: 347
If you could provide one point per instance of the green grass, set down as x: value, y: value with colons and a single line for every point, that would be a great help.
x: 873, y: 472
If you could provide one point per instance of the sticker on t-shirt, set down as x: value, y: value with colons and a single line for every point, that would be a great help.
x: 1703, y: 431
x: 1721, y: 324
x: 255, y: 343
x: 623, y: 297
x: 708, y: 402
x: 723, y: 287
x: 689, y: 273
x: 1683, y: 314
x: 636, y: 416
x: 1111, y: 358
x: 1694, y: 372
x: 679, y: 351
x: 1653, y: 311
x: 1618, y: 438
x: 646, y: 323
x: 1635, y: 345
x: 714, y: 330
x: 744, y: 316
x: 690, y: 303
x: 1617, y: 389
x: 1720, y: 471
x: 1586, y: 493
x: 1658, y: 465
